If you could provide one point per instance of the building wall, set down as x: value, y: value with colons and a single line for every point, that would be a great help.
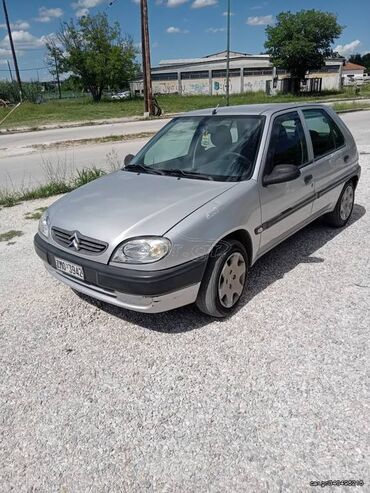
x: 330, y: 81
x: 256, y: 83
x: 219, y: 86
x: 195, y: 86
x: 248, y: 74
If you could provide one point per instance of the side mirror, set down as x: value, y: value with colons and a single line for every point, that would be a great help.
x: 281, y: 174
x: 128, y: 159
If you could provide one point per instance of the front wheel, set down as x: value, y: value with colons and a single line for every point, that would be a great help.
x: 224, y: 279
x: 343, y: 210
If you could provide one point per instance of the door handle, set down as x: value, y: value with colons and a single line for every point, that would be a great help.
x: 308, y: 179
x: 346, y: 158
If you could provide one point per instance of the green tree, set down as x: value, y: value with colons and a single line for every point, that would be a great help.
x: 361, y: 60
x: 300, y: 42
x: 96, y: 52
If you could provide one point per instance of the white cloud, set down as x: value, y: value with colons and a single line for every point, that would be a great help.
x: 175, y: 3
x: 349, y: 48
x: 82, y: 7
x: 4, y: 53
x: 24, y: 40
x: 17, y: 25
x: 216, y: 30
x: 176, y: 30
x: 199, y: 4
x: 82, y: 12
x: 47, y: 15
x: 262, y: 20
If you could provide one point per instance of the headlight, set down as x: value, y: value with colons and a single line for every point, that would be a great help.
x: 142, y: 250
x: 44, y: 224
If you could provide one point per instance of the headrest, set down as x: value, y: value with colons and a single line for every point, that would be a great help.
x: 221, y: 136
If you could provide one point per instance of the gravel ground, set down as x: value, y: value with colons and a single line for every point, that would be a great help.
x: 94, y: 398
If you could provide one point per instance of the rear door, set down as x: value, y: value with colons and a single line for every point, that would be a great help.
x: 285, y: 207
x: 331, y: 157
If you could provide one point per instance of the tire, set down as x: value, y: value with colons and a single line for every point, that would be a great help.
x: 216, y: 298
x: 343, y: 210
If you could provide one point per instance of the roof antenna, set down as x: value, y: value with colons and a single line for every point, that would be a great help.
x: 214, y: 112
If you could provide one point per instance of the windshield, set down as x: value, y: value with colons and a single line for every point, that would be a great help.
x: 222, y: 148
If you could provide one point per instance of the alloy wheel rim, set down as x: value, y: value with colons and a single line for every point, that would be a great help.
x: 346, y: 203
x: 232, y: 279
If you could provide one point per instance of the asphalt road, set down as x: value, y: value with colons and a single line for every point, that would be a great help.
x: 26, y: 139
x: 23, y: 166
x: 98, y: 399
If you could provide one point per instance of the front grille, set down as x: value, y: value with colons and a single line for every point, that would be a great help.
x: 77, y: 242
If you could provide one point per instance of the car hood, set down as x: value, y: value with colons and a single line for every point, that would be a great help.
x: 125, y: 204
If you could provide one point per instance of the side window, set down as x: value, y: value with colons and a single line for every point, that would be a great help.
x: 287, y: 143
x: 175, y: 145
x: 325, y: 133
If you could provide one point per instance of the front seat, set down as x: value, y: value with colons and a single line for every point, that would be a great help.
x: 221, y: 138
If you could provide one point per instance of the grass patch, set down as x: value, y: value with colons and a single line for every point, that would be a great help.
x: 351, y: 106
x: 10, y: 199
x: 85, y: 110
x: 9, y: 235
x: 97, y: 140
x: 86, y: 175
x: 36, y: 214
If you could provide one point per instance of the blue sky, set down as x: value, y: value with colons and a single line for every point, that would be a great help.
x: 179, y: 28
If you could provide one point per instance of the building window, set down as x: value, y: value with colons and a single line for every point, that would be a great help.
x: 234, y: 72
x: 200, y: 74
x: 168, y: 76
x: 257, y: 71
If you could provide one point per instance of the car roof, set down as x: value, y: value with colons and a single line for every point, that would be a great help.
x: 251, y: 109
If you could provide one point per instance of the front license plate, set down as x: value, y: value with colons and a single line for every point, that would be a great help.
x: 69, y: 268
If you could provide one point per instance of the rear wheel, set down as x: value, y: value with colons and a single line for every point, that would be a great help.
x: 224, y: 280
x: 343, y: 210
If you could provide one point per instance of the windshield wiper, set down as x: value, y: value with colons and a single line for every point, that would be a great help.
x: 186, y: 174
x: 141, y: 168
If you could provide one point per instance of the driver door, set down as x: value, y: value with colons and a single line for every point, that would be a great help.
x: 285, y: 207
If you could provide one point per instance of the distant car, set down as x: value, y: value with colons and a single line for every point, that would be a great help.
x: 211, y: 193
x: 121, y: 95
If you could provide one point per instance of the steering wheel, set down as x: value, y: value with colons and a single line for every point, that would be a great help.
x: 247, y: 163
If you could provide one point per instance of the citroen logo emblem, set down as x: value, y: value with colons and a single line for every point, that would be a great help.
x: 74, y: 242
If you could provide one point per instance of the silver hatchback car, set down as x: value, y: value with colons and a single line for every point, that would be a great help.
x: 211, y: 193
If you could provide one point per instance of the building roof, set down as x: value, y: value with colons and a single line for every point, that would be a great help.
x: 349, y: 66
x: 222, y: 54
x: 209, y: 58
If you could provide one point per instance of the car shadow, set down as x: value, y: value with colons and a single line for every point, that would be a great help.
x: 273, y: 266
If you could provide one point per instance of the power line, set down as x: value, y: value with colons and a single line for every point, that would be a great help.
x: 27, y: 69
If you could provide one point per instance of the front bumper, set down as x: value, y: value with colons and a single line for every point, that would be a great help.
x: 145, y: 291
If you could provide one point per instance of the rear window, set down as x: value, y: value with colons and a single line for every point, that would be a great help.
x: 325, y: 133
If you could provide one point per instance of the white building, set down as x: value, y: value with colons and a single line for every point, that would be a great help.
x: 353, y: 73
x: 248, y: 73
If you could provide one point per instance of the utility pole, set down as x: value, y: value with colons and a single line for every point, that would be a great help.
x: 228, y: 54
x: 10, y: 71
x: 13, y: 51
x: 145, y: 48
x: 57, y: 74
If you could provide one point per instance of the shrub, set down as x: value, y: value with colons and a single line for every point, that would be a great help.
x: 9, y: 91
x: 86, y: 175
